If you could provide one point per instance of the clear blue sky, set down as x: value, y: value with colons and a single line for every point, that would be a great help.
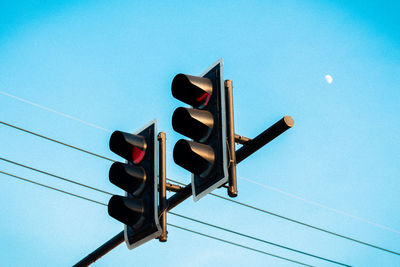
x: 111, y: 63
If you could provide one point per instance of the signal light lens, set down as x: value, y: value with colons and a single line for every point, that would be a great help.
x: 203, y: 100
x: 137, y: 154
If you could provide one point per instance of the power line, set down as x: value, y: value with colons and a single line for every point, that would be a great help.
x: 311, y: 226
x: 53, y: 188
x: 246, y: 179
x: 100, y: 203
x: 236, y: 244
x: 234, y: 201
x: 179, y: 215
x: 55, y: 111
x: 55, y: 176
x: 255, y: 238
x: 314, y: 203
x: 298, y: 222
x: 56, y: 141
x: 182, y: 216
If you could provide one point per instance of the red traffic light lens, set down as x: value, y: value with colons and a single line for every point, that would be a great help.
x: 203, y: 100
x: 137, y: 155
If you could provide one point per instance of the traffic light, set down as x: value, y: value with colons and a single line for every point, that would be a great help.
x: 205, y: 156
x: 138, y: 209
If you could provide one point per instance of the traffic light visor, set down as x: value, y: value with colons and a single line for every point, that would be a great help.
x: 194, y: 157
x: 192, y: 90
x: 129, y: 177
x: 129, y: 146
x: 193, y: 123
x: 126, y: 210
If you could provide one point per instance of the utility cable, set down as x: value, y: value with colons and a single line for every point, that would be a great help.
x: 186, y: 229
x: 55, y: 176
x: 255, y: 238
x: 55, y: 111
x: 298, y: 222
x: 234, y: 201
x: 238, y: 245
x: 56, y: 141
x: 175, y: 214
x: 246, y: 179
x: 316, y: 204
x: 53, y: 188
x: 310, y: 226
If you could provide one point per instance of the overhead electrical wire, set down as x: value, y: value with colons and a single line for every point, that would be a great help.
x: 246, y: 179
x: 55, y: 176
x: 175, y: 214
x: 234, y: 201
x: 298, y: 222
x: 236, y: 244
x: 56, y: 141
x: 255, y: 238
x: 293, y: 196
x: 56, y: 112
x: 186, y: 229
x: 52, y: 188
x: 314, y: 203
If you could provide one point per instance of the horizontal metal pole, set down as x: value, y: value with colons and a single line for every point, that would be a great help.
x: 264, y: 138
x: 173, y: 201
x: 245, y: 151
x: 179, y: 197
x: 102, y: 250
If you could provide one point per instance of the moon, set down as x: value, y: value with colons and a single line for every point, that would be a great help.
x: 328, y: 78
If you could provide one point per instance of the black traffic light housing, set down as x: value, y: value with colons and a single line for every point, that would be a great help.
x: 138, y: 209
x: 205, y: 123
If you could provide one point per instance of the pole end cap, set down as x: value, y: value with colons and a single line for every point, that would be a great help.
x: 289, y: 121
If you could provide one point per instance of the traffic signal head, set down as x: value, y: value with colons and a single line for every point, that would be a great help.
x: 205, y: 123
x: 138, y: 209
